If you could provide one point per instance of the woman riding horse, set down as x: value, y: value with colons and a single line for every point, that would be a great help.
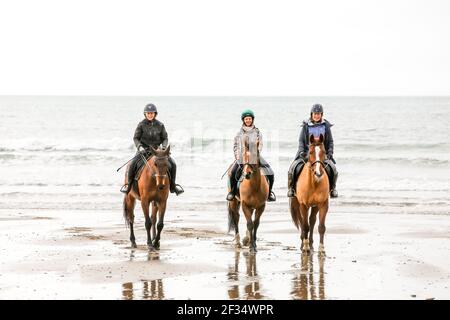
x: 315, y: 125
x: 150, y: 133
x: 248, y: 129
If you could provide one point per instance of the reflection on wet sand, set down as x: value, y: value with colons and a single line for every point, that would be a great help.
x: 149, y: 290
x: 307, y: 284
x: 251, y: 286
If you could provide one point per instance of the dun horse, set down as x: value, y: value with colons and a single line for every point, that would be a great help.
x: 253, y: 194
x: 151, y: 188
x: 312, y: 192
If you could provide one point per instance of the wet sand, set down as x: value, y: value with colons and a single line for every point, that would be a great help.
x: 86, y: 255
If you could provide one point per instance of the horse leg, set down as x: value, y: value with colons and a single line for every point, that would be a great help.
x: 305, y: 228
x: 145, y: 203
x: 128, y: 212
x: 322, y: 215
x: 160, y: 225
x: 154, y: 212
x: 258, y: 213
x: 248, y: 212
x: 233, y: 220
x: 312, y: 223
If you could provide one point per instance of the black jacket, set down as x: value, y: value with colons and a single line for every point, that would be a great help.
x: 303, y: 143
x: 150, y: 134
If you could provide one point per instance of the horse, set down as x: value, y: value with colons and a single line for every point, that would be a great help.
x: 152, y: 188
x: 253, y: 194
x: 312, y: 192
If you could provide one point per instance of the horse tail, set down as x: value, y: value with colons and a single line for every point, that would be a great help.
x: 295, y: 212
x: 232, y: 222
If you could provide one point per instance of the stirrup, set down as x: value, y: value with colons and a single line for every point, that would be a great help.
x: 272, y: 197
x: 178, y: 189
x: 291, y: 193
x: 230, y: 196
x: 334, y: 193
x: 124, y: 188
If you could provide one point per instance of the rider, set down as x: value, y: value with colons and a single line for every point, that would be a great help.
x: 248, y: 129
x: 150, y: 133
x: 317, y: 124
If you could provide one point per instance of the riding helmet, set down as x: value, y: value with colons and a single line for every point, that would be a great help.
x: 317, y: 108
x: 150, y: 108
x: 247, y: 113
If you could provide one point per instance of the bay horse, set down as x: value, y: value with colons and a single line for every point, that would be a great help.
x: 152, y: 188
x: 253, y: 194
x: 312, y: 192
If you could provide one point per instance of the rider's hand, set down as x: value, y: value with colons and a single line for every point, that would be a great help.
x: 141, y: 149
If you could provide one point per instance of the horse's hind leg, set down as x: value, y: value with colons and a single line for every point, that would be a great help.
x: 233, y: 220
x: 160, y: 225
x: 128, y: 212
x: 322, y: 215
x: 312, y: 223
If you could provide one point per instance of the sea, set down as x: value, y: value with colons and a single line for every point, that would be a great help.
x: 63, y: 152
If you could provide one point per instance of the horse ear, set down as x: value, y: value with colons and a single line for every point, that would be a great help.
x: 321, y: 138
x: 311, y: 138
x: 167, y: 151
x: 155, y: 151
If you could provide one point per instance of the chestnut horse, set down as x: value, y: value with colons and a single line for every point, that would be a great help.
x: 253, y: 194
x: 152, y: 187
x: 312, y: 192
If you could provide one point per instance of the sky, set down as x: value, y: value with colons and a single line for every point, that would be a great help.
x: 224, y: 48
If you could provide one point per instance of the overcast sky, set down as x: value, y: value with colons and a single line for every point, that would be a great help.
x: 232, y: 47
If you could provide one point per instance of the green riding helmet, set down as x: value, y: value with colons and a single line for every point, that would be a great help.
x: 247, y: 113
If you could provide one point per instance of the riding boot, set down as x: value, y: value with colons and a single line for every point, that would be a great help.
x: 233, y: 182
x: 333, y: 192
x: 291, y: 188
x: 130, y: 176
x: 174, y: 188
x: 272, y: 196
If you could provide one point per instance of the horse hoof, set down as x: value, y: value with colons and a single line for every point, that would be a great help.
x: 321, y: 249
x: 246, y: 242
x: 151, y: 248
x: 237, y: 245
x: 133, y: 245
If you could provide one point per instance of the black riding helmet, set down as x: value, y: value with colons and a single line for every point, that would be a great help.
x: 316, y: 108
x: 150, y: 108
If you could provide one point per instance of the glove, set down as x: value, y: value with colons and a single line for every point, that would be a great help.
x: 141, y: 149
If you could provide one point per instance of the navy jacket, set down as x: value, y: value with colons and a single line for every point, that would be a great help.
x: 303, y: 141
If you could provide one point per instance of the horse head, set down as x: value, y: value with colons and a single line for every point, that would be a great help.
x: 161, y: 163
x: 317, y: 156
x: 251, y: 165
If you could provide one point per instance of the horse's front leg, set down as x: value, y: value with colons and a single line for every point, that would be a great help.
x: 312, y: 223
x: 145, y: 203
x: 154, y: 212
x: 305, y: 228
x: 248, y: 216
x: 322, y: 215
x: 258, y: 213
x: 160, y: 225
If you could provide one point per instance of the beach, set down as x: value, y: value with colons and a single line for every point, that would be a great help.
x: 87, y: 255
x: 63, y: 236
